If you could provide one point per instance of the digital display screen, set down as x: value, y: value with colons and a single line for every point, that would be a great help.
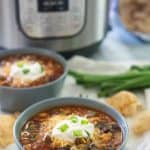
x: 53, y: 5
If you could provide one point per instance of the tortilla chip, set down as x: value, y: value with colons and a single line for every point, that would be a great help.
x: 142, y: 123
x: 6, y: 129
x: 126, y: 103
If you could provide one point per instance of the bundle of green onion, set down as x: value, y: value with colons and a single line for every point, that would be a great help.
x: 137, y: 77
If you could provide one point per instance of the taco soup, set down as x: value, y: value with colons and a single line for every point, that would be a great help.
x: 28, y: 70
x: 71, y: 128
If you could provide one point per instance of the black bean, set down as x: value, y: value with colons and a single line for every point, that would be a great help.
x: 108, y: 127
x: 47, y: 140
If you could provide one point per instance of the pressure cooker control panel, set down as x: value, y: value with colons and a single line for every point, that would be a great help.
x: 51, y: 18
x: 53, y: 5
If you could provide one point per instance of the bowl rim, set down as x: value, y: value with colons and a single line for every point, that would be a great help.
x: 41, y: 51
x: 123, y: 125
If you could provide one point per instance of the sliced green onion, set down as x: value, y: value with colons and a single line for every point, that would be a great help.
x: 26, y: 71
x: 74, y: 119
x: 77, y: 133
x: 20, y: 64
x: 88, y: 134
x: 64, y: 128
x: 42, y: 68
x: 84, y: 121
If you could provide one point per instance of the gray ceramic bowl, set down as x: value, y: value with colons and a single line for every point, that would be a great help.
x: 56, y: 102
x: 17, y: 99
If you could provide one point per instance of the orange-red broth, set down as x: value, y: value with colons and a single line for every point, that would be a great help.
x: 52, y: 69
x: 36, y: 133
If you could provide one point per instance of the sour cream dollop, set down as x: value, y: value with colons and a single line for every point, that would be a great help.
x: 73, y: 128
x: 27, y: 71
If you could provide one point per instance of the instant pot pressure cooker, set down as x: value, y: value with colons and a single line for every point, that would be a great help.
x: 62, y: 25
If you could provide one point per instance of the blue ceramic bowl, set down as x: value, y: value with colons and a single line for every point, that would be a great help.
x: 17, y: 99
x: 122, y: 32
x: 56, y: 102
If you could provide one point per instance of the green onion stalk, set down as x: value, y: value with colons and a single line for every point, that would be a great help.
x: 136, y: 77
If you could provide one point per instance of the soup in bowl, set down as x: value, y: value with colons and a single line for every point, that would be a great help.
x: 63, y: 124
x: 29, y: 75
x: 28, y: 70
